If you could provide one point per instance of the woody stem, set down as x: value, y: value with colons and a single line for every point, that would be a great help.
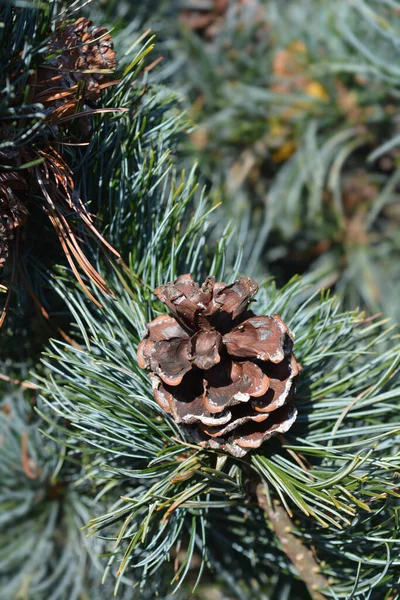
x: 301, y: 556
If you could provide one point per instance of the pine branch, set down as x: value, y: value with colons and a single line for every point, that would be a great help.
x: 301, y: 556
x: 335, y: 474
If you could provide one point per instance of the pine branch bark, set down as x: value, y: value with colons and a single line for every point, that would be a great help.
x: 301, y: 556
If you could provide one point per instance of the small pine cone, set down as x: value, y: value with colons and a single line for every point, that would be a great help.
x: 13, y: 212
x: 84, y: 49
x: 217, y: 368
x: 84, y: 54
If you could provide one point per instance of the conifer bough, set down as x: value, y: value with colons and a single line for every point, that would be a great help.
x: 72, y: 75
x: 217, y: 368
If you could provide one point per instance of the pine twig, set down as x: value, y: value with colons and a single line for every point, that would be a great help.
x: 301, y: 556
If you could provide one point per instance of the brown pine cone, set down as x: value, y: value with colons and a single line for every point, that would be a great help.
x: 84, y: 54
x: 13, y: 213
x: 84, y: 49
x: 219, y: 369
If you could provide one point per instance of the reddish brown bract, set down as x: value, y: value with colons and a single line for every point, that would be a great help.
x: 218, y: 369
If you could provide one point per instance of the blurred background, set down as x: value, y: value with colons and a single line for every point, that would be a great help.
x: 295, y: 126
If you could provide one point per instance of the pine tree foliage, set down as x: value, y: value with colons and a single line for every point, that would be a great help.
x: 46, y: 92
x: 133, y: 119
x: 40, y: 107
x: 165, y: 517
x: 335, y: 472
x: 43, y: 553
x: 46, y: 500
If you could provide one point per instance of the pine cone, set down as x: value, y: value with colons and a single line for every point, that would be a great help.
x: 83, y: 55
x: 84, y: 50
x: 225, y: 373
x: 13, y: 213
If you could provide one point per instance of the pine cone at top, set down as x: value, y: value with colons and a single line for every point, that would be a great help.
x: 84, y: 48
x: 217, y: 368
x: 13, y: 212
x: 84, y: 55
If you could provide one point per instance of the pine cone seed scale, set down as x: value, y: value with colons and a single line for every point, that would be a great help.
x: 217, y: 368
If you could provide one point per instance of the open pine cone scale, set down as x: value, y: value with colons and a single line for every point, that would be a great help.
x: 218, y: 369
